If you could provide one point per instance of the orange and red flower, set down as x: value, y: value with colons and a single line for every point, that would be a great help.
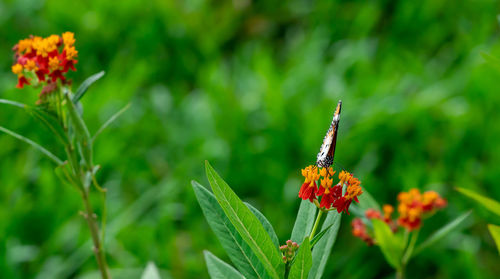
x: 309, y: 188
x: 413, y: 207
x: 48, y: 59
x: 331, y: 196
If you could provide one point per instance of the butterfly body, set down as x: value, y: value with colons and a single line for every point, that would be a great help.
x: 326, y: 153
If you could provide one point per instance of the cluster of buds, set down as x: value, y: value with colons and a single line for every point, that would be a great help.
x: 413, y: 207
x: 331, y: 195
x: 359, y: 230
x: 44, y: 60
x: 288, y: 250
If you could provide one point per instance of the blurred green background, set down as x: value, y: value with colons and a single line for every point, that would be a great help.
x: 251, y: 86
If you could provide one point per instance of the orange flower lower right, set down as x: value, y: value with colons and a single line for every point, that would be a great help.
x: 412, y: 208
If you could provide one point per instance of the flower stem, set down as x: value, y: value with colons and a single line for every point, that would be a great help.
x: 316, y: 224
x: 409, y: 250
x: 94, y: 231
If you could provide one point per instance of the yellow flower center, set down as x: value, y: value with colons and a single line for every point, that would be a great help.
x: 30, y: 65
x: 53, y: 63
x: 17, y: 69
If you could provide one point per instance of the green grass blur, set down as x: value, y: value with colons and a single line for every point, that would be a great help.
x: 251, y: 87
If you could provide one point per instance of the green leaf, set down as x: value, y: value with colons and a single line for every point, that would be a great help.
x: 238, y: 251
x: 318, y: 236
x: 81, y: 132
x: 304, y: 222
x: 488, y: 203
x: 495, y: 233
x: 48, y: 120
x: 249, y: 227
x: 110, y: 120
x: 439, y: 234
x: 266, y: 224
x: 151, y: 272
x: 322, y: 250
x: 302, y: 262
x: 218, y: 269
x: 34, y: 144
x: 85, y: 85
x: 391, y: 245
x: 12, y: 103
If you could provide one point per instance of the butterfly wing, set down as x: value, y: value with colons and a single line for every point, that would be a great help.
x: 327, y: 150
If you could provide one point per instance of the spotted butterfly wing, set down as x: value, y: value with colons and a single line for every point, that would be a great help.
x: 327, y: 150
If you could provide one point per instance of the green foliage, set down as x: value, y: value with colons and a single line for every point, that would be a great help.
x: 82, y: 89
x: 302, y: 262
x: 304, y: 221
x: 323, y: 248
x: 238, y: 250
x: 488, y: 203
x: 265, y: 223
x: 392, y: 245
x: 247, y: 225
x: 318, y: 236
x: 441, y: 233
x: 495, y: 233
x: 218, y: 269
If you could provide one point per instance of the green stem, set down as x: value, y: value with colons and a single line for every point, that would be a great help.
x: 410, y: 248
x: 287, y: 270
x: 316, y: 225
x: 94, y: 232
x: 400, y: 273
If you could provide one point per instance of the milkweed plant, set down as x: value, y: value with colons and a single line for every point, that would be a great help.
x: 44, y: 63
x: 256, y: 252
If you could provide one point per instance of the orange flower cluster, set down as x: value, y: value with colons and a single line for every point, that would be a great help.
x: 46, y: 58
x: 413, y: 205
x: 331, y: 194
x: 412, y: 208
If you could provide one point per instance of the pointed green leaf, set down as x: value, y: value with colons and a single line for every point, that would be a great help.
x: 495, y: 233
x: 85, y: 85
x: 391, y: 245
x: 218, y: 269
x: 318, y: 236
x: 151, y: 272
x: 34, y: 144
x: 238, y: 251
x: 249, y: 227
x: 110, y: 120
x: 439, y: 234
x: 266, y: 224
x: 488, y: 203
x: 12, y: 103
x: 81, y: 132
x: 322, y: 250
x: 304, y: 222
x: 302, y: 262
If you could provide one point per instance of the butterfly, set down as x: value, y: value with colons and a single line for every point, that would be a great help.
x: 324, y: 159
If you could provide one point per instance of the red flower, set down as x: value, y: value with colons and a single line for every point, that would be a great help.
x: 308, y: 191
x: 309, y: 188
x: 21, y: 81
